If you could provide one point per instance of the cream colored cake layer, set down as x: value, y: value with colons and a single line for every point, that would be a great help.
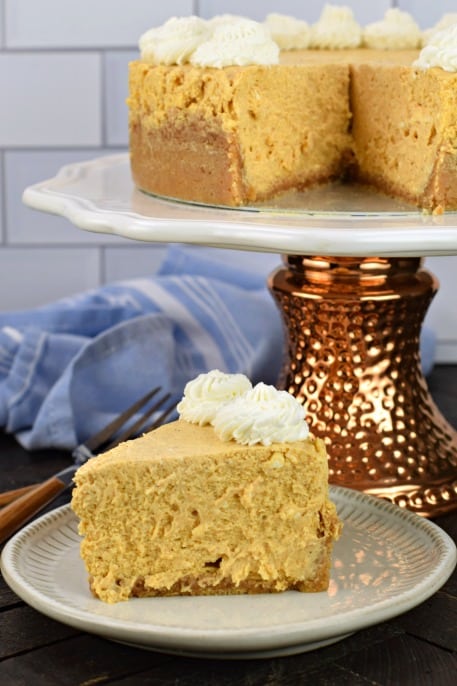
x: 180, y: 511
x: 237, y: 135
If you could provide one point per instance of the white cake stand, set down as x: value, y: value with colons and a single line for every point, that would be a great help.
x: 353, y: 296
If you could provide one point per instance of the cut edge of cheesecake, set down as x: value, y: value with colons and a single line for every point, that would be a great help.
x: 237, y: 136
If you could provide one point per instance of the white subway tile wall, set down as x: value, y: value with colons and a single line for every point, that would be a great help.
x: 53, y: 99
x: 115, y: 94
x: 85, y: 23
x: 2, y: 207
x: 25, y: 274
x: 63, y: 79
x: 427, y: 12
x: 27, y: 227
x: 132, y: 260
x: 442, y: 314
x: 363, y: 11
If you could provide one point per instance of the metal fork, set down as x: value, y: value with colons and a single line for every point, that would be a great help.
x: 34, y: 499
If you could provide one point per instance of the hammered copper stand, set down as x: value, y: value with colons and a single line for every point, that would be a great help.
x: 353, y: 328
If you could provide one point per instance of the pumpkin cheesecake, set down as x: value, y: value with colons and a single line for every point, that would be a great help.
x: 219, y: 114
x: 234, y: 499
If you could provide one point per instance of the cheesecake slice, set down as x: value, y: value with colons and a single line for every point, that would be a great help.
x: 184, y: 511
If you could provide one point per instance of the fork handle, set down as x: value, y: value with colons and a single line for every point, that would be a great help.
x: 17, y: 513
x: 7, y: 497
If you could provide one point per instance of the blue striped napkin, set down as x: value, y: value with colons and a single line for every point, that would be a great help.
x: 69, y: 367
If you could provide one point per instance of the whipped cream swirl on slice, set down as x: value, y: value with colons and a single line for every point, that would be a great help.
x: 397, y: 31
x: 204, y: 395
x: 236, y: 42
x: 262, y: 415
x: 441, y: 51
x: 174, y: 41
x: 288, y: 32
x: 336, y: 29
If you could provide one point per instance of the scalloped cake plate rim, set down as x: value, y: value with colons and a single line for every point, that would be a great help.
x: 98, y: 195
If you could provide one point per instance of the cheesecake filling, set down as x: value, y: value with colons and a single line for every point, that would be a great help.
x: 180, y: 511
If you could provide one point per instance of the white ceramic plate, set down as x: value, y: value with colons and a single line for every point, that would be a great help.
x: 387, y: 561
x: 99, y: 196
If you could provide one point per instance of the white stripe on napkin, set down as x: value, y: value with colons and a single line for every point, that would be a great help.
x: 177, y: 312
x: 14, y: 334
x: 210, y: 302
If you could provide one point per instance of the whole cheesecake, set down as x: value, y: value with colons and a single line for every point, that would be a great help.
x: 189, y: 509
x: 235, y: 135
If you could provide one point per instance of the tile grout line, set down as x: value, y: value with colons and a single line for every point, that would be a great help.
x: 49, y: 149
x: 101, y: 265
x: 101, y: 249
x: 2, y: 26
x: 2, y: 152
x: 3, y: 234
x: 103, y: 100
x: 66, y: 49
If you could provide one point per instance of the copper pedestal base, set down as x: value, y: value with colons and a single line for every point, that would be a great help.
x: 353, y: 329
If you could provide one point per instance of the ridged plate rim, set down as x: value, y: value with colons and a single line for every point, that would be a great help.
x: 422, y: 558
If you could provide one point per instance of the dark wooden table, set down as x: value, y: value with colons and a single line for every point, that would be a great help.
x: 417, y: 648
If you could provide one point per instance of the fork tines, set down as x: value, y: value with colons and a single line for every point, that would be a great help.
x: 110, y: 431
x: 135, y: 428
